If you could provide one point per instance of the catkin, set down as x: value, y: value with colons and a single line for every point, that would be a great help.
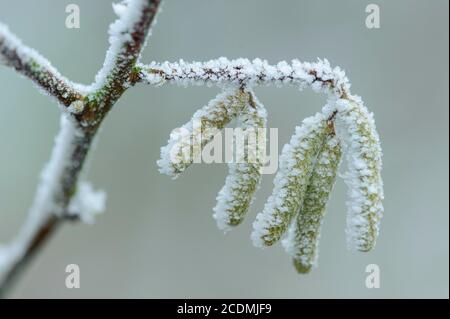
x: 291, y: 181
x: 356, y: 128
x: 185, y: 144
x: 244, y: 174
x: 302, y: 241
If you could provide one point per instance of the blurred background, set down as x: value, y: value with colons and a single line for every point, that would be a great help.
x: 157, y: 238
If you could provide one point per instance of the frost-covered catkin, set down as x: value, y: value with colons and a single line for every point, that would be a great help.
x: 186, y: 143
x: 356, y: 128
x: 244, y: 174
x: 291, y: 181
x: 302, y: 241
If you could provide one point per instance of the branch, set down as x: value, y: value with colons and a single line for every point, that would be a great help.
x: 60, y: 177
x: 57, y: 186
x: 320, y: 76
x: 31, y: 64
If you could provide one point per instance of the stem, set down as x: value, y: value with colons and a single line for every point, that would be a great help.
x: 42, y: 236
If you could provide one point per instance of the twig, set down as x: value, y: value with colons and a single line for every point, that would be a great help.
x: 60, y: 177
x: 32, y: 65
x: 85, y: 107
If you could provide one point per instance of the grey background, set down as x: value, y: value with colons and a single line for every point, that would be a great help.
x: 157, y: 237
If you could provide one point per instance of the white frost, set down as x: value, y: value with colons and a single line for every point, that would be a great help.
x: 185, y: 144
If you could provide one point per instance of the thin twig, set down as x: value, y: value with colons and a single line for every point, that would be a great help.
x: 80, y: 121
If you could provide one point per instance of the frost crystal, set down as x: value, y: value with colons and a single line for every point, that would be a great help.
x: 302, y: 240
x: 186, y: 143
x: 291, y: 181
x: 356, y: 129
x: 87, y: 203
x: 244, y: 174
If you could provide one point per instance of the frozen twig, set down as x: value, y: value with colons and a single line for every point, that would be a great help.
x: 320, y: 76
